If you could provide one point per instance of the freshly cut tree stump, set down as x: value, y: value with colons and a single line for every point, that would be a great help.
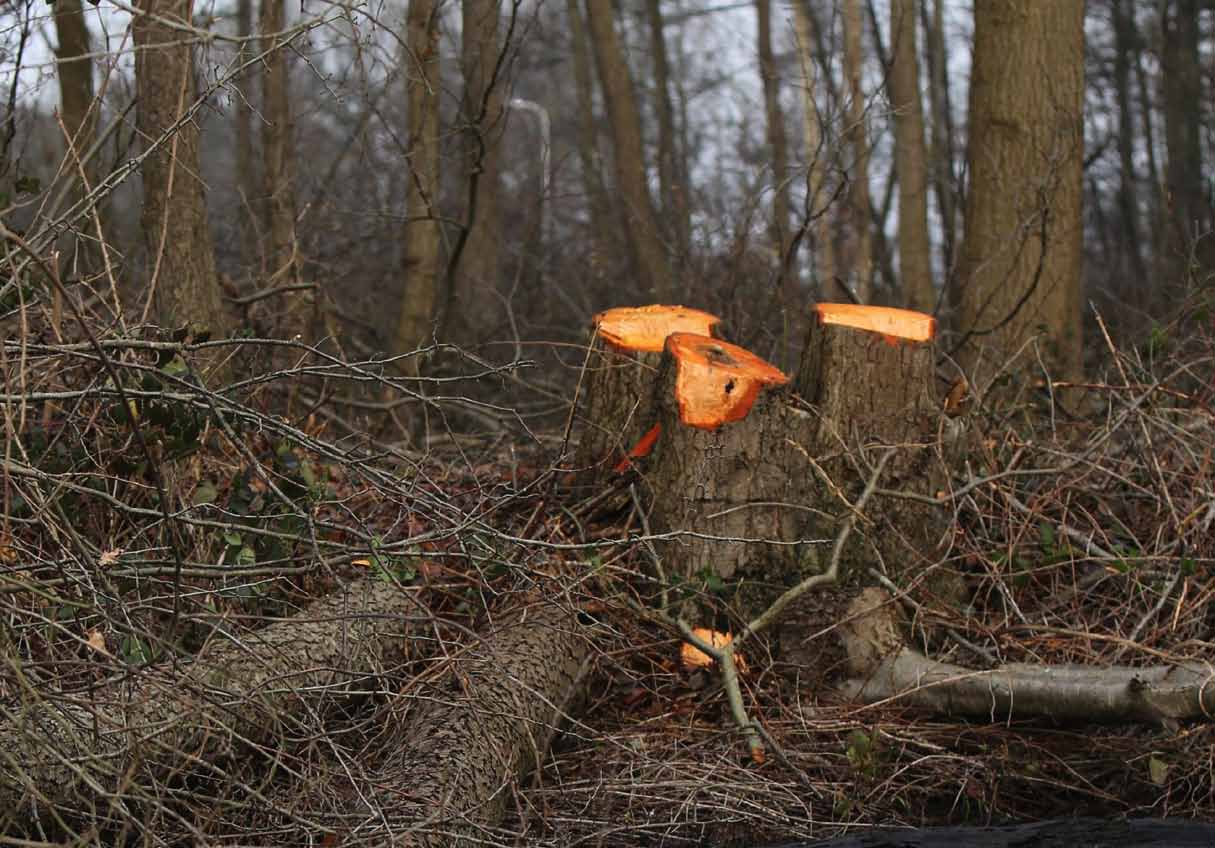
x: 757, y: 480
x: 622, y: 369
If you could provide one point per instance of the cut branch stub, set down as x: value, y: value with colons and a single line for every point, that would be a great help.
x: 622, y: 368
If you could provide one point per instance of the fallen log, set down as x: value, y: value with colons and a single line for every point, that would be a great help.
x: 885, y: 669
x: 622, y: 364
x: 92, y: 753
x: 470, y: 738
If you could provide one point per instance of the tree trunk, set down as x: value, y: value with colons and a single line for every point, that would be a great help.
x: 1020, y: 265
x: 486, y: 726
x: 1189, y: 215
x: 915, y: 263
x: 86, y: 752
x: 822, y: 246
x: 1125, y: 45
x: 74, y: 64
x: 775, y: 121
x: 247, y: 217
x: 943, y: 180
x: 181, y: 261
x: 483, y: 117
x: 588, y: 137
x: 422, y: 89
x: 278, y: 176
x: 648, y: 251
x: 860, y: 205
x: 674, y: 195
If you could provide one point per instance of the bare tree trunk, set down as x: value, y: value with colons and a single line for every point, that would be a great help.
x: 1155, y: 201
x: 674, y: 193
x: 1124, y: 48
x: 278, y: 175
x: 245, y: 172
x: 915, y: 262
x: 649, y: 252
x: 588, y: 137
x: 861, y: 211
x: 422, y: 88
x: 775, y: 118
x: 941, y: 153
x: 1021, y: 258
x: 822, y: 247
x: 1183, y: 93
x: 77, y: 110
x: 483, y: 118
x: 181, y: 261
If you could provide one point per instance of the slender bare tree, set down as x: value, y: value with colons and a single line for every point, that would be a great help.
x: 648, y: 251
x: 422, y: 89
x: 860, y: 205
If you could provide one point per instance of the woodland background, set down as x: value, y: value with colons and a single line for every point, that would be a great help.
x: 296, y: 296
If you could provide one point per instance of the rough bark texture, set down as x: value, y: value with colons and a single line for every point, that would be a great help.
x: 483, y: 728
x: 181, y: 261
x: 915, y: 265
x: 885, y: 668
x: 87, y: 751
x: 588, y: 139
x: 644, y: 231
x: 1058, y: 833
x: 422, y: 88
x: 483, y: 118
x: 860, y: 205
x: 1021, y: 257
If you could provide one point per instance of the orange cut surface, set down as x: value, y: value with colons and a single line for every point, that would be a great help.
x: 717, y: 382
x: 645, y: 328
x: 902, y: 324
x: 694, y: 657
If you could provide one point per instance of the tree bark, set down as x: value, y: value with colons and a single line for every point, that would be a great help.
x: 588, y: 136
x: 245, y: 171
x: 181, y: 259
x: 1189, y: 214
x: 822, y: 246
x: 674, y: 194
x: 1125, y: 45
x: 483, y: 116
x: 422, y: 89
x: 1021, y: 259
x: 278, y: 175
x: 942, y: 149
x: 777, y: 142
x: 884, y: 669
x: 915, y: 262
x: 74, y: 64
x: 860, y: 205
x: 83, y: 753
x: 486, y: 726
x: 648, y: 251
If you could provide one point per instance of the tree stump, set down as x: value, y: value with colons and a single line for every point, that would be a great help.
x: 622, y: 368
x: 757, y: 479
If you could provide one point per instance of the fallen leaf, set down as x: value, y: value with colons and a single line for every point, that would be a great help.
x: 97, y: 641
x: 109, y: 558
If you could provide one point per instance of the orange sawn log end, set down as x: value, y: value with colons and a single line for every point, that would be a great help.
x: 717, y: 382
x: 895, y: 325
x: 645, y: 328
